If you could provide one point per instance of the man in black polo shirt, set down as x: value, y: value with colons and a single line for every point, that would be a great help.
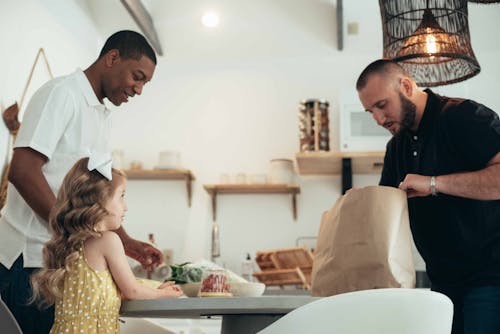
x: 445, y: 153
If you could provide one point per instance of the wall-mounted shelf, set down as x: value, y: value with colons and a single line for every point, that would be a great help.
x: 163, y: 174
x: 330, y: 163
x: 215, y: 189
x: 340, y: 163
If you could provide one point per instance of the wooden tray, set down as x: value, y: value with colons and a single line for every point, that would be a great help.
x: 284, y: 258
x: 285, y: 266
x: 283, y: 277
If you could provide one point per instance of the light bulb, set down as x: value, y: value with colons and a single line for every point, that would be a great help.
x: 430, y: 42
x: 210, y: 19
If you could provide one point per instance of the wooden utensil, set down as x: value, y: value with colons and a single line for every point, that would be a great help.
x: 10, y: 118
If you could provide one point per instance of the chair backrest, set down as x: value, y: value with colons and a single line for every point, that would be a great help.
x: 8, y: 323
x: 378, y: 311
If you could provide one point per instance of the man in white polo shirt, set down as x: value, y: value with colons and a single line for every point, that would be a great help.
x: 65, y: 120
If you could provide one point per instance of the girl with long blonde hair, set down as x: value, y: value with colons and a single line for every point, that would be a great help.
x: 85, y: 271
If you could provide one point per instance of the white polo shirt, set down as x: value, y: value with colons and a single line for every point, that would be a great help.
x: 65, y: 122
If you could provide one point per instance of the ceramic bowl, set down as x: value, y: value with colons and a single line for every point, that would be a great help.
x: 247, y: 289
x: 190, y: 289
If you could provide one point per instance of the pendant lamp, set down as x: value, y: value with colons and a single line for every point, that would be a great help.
x: 429, y: 39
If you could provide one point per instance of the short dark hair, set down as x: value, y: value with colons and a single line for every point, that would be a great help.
x: 380, y: 66
x: 130, y: 44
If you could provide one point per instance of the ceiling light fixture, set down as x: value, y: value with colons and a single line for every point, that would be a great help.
x: 210, y: 19
x: 430, y: 40
x: 484, y: 1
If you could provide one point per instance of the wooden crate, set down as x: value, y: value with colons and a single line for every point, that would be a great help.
x: 282, y: 277
x: 285, y: 266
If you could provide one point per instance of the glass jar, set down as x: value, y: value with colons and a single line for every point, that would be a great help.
x: 214, y: 284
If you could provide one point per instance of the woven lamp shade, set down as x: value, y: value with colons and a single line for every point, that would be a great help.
x: 429, y: 39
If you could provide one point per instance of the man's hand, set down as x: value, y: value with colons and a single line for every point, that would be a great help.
x: 149, y: 256
x: 416, y: 185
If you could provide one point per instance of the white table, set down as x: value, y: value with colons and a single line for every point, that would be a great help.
x: 239, y: 315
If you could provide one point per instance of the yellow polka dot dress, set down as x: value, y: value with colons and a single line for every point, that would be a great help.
x: 90, y: 304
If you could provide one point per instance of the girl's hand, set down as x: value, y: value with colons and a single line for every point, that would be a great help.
x: 170, y: 290
x: 166, y: 284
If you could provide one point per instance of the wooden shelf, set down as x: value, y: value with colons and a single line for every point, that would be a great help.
x: 343, y: 163
x: 163, y: 174
x: 330, y: 163
x: 215, y: 189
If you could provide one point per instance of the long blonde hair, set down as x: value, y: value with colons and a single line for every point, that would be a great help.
x: 79, y: 207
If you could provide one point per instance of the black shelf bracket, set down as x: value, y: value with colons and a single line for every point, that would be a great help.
x: 346, y: 174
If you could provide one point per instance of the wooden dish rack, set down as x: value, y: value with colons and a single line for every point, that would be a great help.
x: 287, y: 266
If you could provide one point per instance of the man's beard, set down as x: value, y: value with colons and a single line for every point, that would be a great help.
x: 408, y: 111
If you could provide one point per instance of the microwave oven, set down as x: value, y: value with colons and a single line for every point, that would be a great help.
x: 359, y: 131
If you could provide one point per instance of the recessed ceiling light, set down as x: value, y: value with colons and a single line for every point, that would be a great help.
x: 210, y: 19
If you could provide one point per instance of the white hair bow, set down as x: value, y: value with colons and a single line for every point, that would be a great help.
x: 101, y: 162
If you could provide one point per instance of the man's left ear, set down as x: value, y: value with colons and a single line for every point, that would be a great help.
x: 112, y: 57
x: 407, y: 86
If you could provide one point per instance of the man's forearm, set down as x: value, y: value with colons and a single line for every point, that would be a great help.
x: 482, y: 185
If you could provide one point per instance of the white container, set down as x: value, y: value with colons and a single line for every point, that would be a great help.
x: 247, y: 268
x: 118, y: 159
x: 169, y: 159
x: 225, y: 179
x: 257, y: 178
x: 281, y: 171
x: 241, y: 178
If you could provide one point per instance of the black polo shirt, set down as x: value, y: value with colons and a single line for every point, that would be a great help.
x: 458, y: 238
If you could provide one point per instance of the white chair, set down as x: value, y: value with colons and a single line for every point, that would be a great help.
x: 140, y: 325
x: 8, y: 323
x: 378, y: 311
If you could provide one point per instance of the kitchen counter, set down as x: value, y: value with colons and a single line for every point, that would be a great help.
x: 286, y: 292
x: 239, y: 315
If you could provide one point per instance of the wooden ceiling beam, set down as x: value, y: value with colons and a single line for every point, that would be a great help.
x: 144, y: 20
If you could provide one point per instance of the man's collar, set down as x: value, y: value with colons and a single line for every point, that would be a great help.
x: 88, y: 91
x: 431, y: 109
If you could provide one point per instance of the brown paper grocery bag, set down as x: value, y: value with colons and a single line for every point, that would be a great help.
x: 364, y: 242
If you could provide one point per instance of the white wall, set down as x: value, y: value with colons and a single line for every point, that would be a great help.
x: 227, y: 99
x: 62, y: 28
